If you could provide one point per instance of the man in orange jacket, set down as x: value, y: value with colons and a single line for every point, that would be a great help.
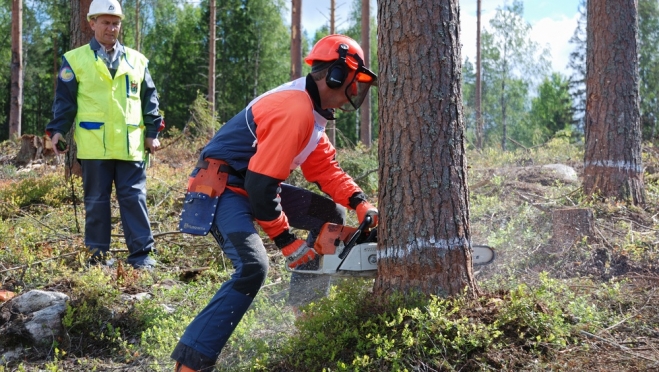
x: 247, y: 162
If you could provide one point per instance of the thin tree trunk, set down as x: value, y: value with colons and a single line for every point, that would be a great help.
x: 15, y: 112
x: 424, y: 235
x: 331, y: 125
x: 612, y: 158
x: 296, y: 39
x: 479, y: 114
x: 365, y: 109
x: 137, y: 25
x: 503, y: 112
x: 55, y: 64
x: 212, y: 57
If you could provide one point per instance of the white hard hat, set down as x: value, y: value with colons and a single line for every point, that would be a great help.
x: 109, y: 7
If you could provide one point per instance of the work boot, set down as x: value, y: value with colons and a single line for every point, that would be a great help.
x: 181, y: 368
x: 100, y: 258
x: 148, y: 264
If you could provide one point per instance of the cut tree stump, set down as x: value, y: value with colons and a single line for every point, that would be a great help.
x: 570, y: 225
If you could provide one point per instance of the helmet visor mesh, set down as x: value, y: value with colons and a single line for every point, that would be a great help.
x: 358, y: 88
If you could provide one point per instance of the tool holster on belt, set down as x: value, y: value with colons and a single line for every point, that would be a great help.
x: 202, y: 199
x: 211, y: 178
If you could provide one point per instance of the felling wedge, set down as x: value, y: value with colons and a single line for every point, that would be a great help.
x: 346, y: 251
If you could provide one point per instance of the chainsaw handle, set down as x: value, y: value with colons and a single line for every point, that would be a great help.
x: 353, y: 239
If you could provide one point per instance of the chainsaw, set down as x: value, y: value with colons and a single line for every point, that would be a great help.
x: 352, y: 252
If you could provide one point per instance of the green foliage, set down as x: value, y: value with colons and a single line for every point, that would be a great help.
x: 94, y: 295
x: 51, y: 190
x: 552, y: 110
x: 648, y: 38
x: 509, y: 63
x: 202, y: 123
x: 353, y: 331
x: 177, y: 57
x: 253, y: 55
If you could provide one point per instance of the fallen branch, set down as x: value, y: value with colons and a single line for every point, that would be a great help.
x: 623, y: 348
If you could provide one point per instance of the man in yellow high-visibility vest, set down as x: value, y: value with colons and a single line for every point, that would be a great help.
x: 106, y: 91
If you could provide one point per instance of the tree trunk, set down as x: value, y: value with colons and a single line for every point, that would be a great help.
x: 16, y: 70
x: 331, y: 125
x: 424, y: 234
x: 479, y: 114
x: 81, y: 34
x: 296, y: 39
x: 137, y: 25
x: 612, y: 159
x: 212, y: 57
x: 365, y: 109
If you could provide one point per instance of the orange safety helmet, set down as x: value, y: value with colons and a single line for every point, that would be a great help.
x: 344, y: 54
x: 326, y: 50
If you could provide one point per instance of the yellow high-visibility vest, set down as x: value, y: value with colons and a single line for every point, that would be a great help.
x: 109, y: 123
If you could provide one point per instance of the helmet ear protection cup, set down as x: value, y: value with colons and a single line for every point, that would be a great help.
x: 338, y: 70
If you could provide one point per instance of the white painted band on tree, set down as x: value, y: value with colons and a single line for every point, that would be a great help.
x: 419, y: 244
x: 625, y: 165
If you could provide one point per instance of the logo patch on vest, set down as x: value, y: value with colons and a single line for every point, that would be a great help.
x: 66, y: 74
x: 133, y: 87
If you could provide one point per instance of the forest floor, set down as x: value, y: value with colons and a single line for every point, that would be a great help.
x: 124, y: 320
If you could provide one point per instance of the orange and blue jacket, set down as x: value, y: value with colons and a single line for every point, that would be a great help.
x: 277, y: 132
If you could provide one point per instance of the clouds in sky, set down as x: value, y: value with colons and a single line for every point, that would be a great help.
x: 553, y: 24
x: 553, y: 32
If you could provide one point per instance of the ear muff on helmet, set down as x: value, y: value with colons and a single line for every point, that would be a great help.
x: 338, y: 71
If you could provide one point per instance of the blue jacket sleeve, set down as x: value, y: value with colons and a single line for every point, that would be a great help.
x: 65, y: 106
x: 150, y: 113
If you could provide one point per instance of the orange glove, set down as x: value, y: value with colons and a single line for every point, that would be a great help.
x: 367, y: 209
x: 298, y: 253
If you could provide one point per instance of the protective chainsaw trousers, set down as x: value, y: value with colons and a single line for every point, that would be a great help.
x: 233, y: 228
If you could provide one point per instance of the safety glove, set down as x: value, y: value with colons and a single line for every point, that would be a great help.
x: 298, y: 253
x: 367, y: 209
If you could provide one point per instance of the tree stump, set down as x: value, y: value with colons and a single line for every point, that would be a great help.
x: 31, y: 149
x: 570, y: 225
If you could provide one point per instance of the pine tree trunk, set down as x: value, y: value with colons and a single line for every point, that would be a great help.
x: 296, y: 39
x: 16, y: 102
x: 612, y: 159
x: 330, y: 129
x: 81, y: 34
x: 212, y: 56
x: 365, y: 109
x: 479, y: 113
x: 424, y: 234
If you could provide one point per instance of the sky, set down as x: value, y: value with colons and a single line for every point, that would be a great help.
x: 553, y: 23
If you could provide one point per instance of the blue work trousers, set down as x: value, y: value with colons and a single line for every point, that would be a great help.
x: 233, y: 227
x: 129, y: 179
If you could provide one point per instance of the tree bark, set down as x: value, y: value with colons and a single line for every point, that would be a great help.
x: 296, y: 39
x: 479, y: 114
x: 331, y: 125
x: 212, y: 57
x: 424, y: 235
x: 81, y: 34
x: 16, y: 109
x: 612, y: 159
x: 365, y: 109
x: 137, y: 25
